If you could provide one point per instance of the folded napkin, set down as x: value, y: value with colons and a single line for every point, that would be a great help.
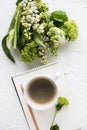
x: 67, y: 118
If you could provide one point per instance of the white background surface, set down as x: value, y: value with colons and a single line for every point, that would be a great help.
x: 73, y: 57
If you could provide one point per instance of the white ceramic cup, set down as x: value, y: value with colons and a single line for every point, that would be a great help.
x: 47, y: 105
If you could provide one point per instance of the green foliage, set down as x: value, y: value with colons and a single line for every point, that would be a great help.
x: 18, y: 1
x: 17, y: 29
x: 12, y: 22
x: 13, y: 35
x: 59, y: 17
x: 4, y: 40
x: 38, y: 40
x: 54, y: 127
x: 6, y: 50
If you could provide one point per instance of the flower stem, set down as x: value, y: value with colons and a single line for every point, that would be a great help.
x: 54, y: 118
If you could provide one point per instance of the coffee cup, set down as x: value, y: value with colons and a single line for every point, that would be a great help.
x: 41, y: 92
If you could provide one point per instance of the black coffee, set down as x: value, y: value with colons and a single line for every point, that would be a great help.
x: 41, y: 90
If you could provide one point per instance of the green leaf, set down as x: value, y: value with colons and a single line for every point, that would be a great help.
x: 6, y: 50
x: 4, y: 40
x: 12, y: 22
x: 54, y: 127
x: 18, y: 1
x: 38, y: 40
x: 17, y: 28
x: 57, y: 23
x: 59, y: 106
x: 59, y: 17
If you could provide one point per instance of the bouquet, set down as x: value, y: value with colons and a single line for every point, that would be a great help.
x: 34, y: 31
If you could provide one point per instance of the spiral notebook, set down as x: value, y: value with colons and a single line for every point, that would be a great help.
x: 67, y: 118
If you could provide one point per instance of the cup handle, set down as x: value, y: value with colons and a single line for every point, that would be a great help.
x: 57, y: 75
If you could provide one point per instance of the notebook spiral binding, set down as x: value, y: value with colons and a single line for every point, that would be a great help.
x: 35, y: 69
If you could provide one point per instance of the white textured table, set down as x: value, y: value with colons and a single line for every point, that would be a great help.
x: 73, y: 57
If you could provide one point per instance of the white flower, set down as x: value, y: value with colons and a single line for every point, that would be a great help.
x: 40, y: 30
x: 28, y: 18
x: 36, y: 20
x: 35, y: 26
x: 43, y: 51
x: 34, y: 8
x: 31, y: 11
x: 25, y: 1
x: 33, y: 14
x: 37, y: 16
x: 47, y: 38
x: 29, y: 24
x: 32, y: 19
x: 25, y: 30
x: 36, y: 11
x: 23, y: 17
x: 40, y: 53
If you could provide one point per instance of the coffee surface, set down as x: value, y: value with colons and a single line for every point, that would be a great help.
x: 41, y: 90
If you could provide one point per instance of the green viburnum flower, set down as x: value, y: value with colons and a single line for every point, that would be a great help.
x: 71, y: 30
x: 55, y: 35
x: 29, y: 52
